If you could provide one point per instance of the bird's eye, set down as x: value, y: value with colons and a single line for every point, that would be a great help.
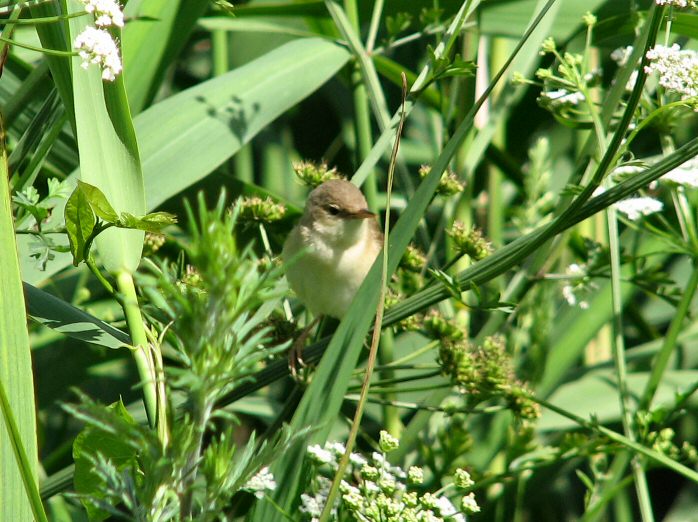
x: 333, y: 210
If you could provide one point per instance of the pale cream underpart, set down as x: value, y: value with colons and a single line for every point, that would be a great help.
x: 338, y: 254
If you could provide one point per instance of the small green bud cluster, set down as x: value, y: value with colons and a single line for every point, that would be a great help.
x: 153, y: 242
x: 312, y: 174
x: 413, y: 259
x: 484, y: 372
x: 661, y: 439
x: 449, y: 184
x: 469, y: 242
x: 260, y: 210
x: 446, y: 330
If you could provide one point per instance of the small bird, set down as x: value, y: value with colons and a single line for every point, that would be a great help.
x: 331, y: 249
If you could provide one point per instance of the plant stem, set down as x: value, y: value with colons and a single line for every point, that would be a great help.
x: 618, y: 349
x: 660, y: 458
x: 50, y: 52
x: 660, y: 363
x: 141, y: 352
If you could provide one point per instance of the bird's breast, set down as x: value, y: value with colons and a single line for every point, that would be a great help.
x: 326, y: 277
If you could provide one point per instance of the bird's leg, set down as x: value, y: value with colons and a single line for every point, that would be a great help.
x: 295, y: 358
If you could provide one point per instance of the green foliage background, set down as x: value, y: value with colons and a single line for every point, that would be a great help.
x: 213, y: 97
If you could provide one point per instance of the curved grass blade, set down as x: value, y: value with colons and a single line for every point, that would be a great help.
x: 63, y: 317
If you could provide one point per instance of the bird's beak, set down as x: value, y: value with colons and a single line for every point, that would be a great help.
x: 364, y: 213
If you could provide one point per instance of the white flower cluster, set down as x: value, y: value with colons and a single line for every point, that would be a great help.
x: 561, y: 97
x: 579, y: 283
x: 96, y: 46
x: 677, y: 69
x: 676, y: 3
x: 621, y: 55
x: 106, y: 12
x: 635, y: 208
x: 263, y: 481
x: 685, y: 174
x: 381, y: 493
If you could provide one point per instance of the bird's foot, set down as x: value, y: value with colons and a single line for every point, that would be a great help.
x: 295, y: 353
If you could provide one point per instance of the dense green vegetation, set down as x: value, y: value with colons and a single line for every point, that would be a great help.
x: 536, y: 355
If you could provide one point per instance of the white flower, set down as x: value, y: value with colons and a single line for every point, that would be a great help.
x: 676, y: 3
x: 685, y: 174
x: 429, y: 516
x: 569, y: 295
x: 677, y: 69
x: 469, y: 504
x: 357, y: 460
x: 336, y: 447
x: 261, y: 482
x: 387, y: 442
x: 628, y: 169
x: 106, y: 12
x: 415, y: 475
x: 462, y: 478
x: 575, y: 270
x: 562, y: 97
x: 311, y: 505
x: 96, y: 46
x: 621, y: 55
x: 635, y: 208
x: 445, y: 507
x: 321, y: 455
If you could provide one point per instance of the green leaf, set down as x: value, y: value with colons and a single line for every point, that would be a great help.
x: 80, y: 223
x: 221, y: 115
x: 98, y: 202
x: 154, y: 36
x: 63, y: 317
x: 153, y: 222
x: 109, y: 157
x: 91, y: 441
x: 15, y: 369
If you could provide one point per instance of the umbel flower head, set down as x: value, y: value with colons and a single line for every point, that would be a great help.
x: 677, y: 69
x: 106, y: 12
x: 96, y: 46
x: 373, y: 490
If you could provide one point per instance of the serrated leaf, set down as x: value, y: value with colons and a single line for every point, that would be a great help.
x: 91, y: 441
x: 448, y: 281
x: 98, y: 201
x: 79, y: 224
x: 153, y: 222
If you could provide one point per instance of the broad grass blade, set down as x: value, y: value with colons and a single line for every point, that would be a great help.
x: 109, y: 156
x: 15, y: 363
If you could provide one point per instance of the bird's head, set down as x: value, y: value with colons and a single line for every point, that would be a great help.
x: 337, y: 211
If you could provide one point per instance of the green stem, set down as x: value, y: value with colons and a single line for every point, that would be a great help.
x: 44, y: 20
x: 373, y: 28
x: 391, y: 416
x: 618, y: 348
x: 362, y: 114
x: 50, y: 52
x: 622, y: 440
x: 660, y: 363
x: 90, y: 262
x: 141, y: 351
x: 25, y: 468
